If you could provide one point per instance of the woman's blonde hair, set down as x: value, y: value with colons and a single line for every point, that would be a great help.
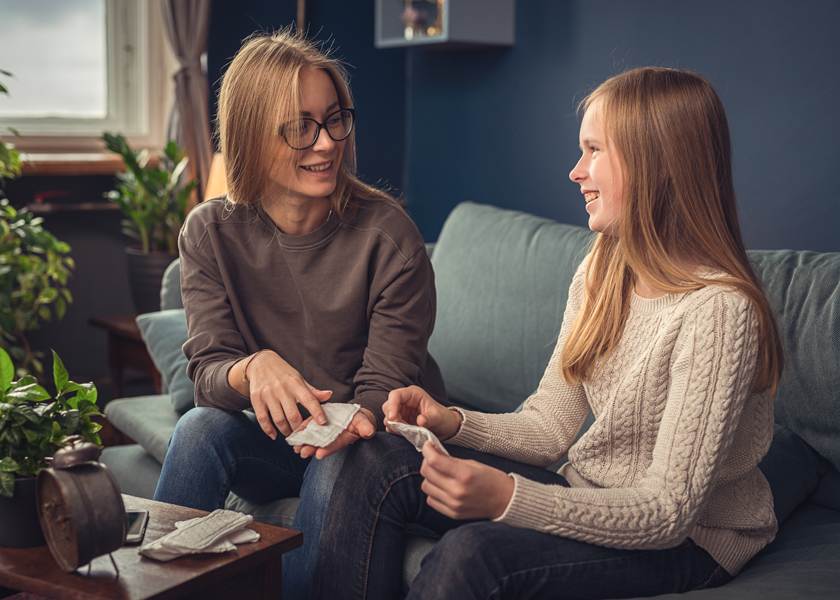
x: 678, y: 208
x: 260, y: 92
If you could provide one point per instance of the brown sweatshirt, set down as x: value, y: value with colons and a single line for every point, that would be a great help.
x: 350, y: 305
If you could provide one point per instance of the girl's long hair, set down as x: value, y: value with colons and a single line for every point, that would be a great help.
x: 678, y: 208
x: 260, y: 92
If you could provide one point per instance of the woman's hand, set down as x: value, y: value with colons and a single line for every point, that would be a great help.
x: 276, y: 389
x: 412, y: 405
x: 464, y: 489
x: 363, y: 425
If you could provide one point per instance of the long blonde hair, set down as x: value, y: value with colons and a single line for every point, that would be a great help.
x: 678, y: 208
x: 259, y: 90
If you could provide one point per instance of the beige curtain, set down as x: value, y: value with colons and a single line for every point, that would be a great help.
x: 188, y: 23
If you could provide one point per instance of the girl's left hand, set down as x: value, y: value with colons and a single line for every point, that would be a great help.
x: 464, y: 489
x: 363, y: 425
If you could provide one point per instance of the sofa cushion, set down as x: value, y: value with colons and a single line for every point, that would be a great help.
x: 148, y: 420
x: 502, y: 281
x: 804, y: 287
x: 136, y: 471
x: 280, y: 513
x: 165, y: 332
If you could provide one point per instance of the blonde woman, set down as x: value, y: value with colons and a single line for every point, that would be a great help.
x: 301, y: 286
x: 667, y: 338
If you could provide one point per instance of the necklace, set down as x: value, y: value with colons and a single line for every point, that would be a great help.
x: 286, y: 216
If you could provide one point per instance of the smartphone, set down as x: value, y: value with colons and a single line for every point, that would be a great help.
x: 137, y: 520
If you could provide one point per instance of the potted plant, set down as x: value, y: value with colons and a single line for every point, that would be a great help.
x: 155, y: 205
x: 34, y: 270
x: 33, y: 425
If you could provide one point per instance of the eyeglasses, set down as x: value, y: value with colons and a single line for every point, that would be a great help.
x: 303, y: 133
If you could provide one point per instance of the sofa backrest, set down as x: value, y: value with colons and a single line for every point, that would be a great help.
x: 502, y: 281
x: 804, y: 288
x: 170, y: 289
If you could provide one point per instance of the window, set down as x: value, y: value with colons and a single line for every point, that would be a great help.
x: 83, y: 67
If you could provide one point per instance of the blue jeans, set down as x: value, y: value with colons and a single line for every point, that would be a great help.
x: 213, y: 452
x: 360, y: 554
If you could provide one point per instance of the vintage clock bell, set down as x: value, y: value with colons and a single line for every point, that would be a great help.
x: 80, y: 506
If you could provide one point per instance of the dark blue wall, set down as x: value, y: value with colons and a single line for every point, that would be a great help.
x: 498, y: 126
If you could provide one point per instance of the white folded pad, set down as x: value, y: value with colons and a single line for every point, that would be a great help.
x: 338, y: 418
x: 217, y: 532
x: 417, y: 435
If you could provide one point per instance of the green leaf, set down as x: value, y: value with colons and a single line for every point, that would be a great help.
x: 59, y: 374
x: 9, y: 465
x: 31, y: 393
x: 7, y: 485
x: 7, y: 371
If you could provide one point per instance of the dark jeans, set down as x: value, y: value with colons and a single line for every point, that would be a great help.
x: 360, y: 554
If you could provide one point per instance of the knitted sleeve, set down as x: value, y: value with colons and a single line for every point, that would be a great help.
x: 709, y: 378
x: 542, y: 433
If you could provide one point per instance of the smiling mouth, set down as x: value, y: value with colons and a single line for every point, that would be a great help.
x: 591, y: 196
x: 318, y: 168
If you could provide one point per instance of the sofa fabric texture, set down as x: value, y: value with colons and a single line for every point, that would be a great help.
x: 502, y: 279
x: 164, y: 333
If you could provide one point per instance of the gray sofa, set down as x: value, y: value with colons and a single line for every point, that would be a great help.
x: 502, y: 279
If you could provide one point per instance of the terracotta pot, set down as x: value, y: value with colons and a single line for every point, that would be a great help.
x: 19, y: 525
x: 145, y: 274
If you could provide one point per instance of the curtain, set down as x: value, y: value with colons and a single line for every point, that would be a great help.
x: 188, y: 23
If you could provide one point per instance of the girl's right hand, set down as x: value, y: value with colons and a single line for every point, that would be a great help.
x: 412, y: 405
x: 276, y: 388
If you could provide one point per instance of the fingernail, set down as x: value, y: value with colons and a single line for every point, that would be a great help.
x: 322, y: 420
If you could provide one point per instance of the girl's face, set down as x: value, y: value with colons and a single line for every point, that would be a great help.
x: 599, y: 173
x: 312, y: 172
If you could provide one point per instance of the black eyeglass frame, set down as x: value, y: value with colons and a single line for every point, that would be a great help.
x: 323, y: 126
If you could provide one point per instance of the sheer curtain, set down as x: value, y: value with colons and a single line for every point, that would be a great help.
x: 188, y: 23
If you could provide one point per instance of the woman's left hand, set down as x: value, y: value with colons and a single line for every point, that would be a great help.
x: 464, y: 489
x: 363, y: 425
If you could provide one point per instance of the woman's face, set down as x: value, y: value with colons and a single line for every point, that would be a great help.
x: 312, y: 172
x: 599, y: 173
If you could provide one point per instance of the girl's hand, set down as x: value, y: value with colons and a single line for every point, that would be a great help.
x: 464, y: 489
x: 363, y: 425
x: 276, y: 389
x: 412, y: 405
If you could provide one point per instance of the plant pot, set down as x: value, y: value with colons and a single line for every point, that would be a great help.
x: 19, y: 525
x: 145, y: 274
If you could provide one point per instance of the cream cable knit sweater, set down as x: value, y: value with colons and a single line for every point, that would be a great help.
x: 677, y: 438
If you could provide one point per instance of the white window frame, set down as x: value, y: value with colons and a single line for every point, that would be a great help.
x: 140, y: 89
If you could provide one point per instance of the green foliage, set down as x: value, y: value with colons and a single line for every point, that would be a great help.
x: 149, y: 196
x: 9, y: 157
x: 34, y: 270
x: 33, y: 424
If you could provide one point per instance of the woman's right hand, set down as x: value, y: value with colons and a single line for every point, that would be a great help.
x: 412, y: 405
x: 276, y: 388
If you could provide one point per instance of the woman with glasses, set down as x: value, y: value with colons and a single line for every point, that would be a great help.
x: 301, y: 286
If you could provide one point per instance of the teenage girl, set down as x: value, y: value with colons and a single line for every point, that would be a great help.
x: 667, y: 337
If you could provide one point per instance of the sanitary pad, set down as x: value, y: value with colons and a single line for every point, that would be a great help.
x: 338, y: 418
x: 416, y: 435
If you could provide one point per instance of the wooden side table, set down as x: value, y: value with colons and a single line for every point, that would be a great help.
x: 252, y: 571
x: 125, y: 349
